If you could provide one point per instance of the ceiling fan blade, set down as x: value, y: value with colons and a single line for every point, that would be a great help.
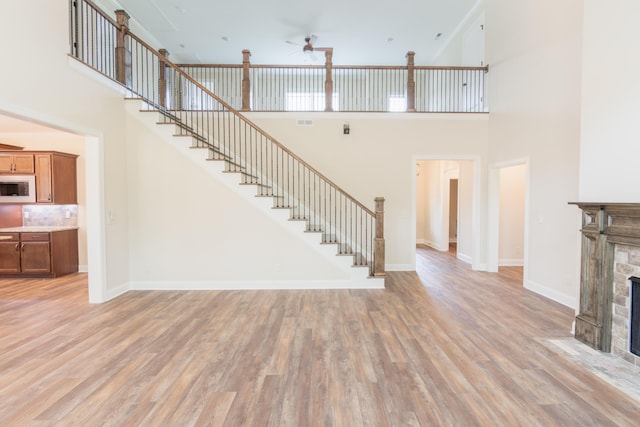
x: 312, y: 39
x: 293, y: 43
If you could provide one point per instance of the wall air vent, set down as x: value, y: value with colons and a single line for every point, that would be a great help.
x: 301, y: 122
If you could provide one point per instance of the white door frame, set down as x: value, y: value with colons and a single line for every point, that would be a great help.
x: 94, y: 172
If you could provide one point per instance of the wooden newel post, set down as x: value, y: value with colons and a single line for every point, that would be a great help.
x: 411, y: 82
x: 246, y: 82
x: 328, y: 82
x: 378, y: 246
x: 123, y: 55
x: 162, y: 77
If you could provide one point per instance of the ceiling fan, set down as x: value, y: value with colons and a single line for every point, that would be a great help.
x: 308, y: 48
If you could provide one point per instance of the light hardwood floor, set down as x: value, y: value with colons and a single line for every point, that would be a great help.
x: 443, y: 346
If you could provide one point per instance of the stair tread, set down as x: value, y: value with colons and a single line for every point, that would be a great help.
x: 254, y: 183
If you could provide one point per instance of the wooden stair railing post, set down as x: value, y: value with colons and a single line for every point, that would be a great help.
x: 123, y: 55
x: 411, y: 82
x: 328, y: 83
x: 162, y: 78
x: 246, y: 82
x: 378, y: 248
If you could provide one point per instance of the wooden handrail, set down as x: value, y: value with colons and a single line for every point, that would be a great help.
x: 341, y: 67
x: 177, y: 69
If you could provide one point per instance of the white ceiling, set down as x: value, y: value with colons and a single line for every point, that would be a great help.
x: 361, y: 32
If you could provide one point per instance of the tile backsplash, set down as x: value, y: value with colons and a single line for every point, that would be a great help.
x: 50, y: 215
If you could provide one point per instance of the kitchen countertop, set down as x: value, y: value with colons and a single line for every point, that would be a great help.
x: 36, y: 229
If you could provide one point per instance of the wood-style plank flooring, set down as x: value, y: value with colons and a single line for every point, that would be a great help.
x: 443, y: 346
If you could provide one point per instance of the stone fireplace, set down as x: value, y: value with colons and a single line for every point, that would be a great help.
x: 610, y: 258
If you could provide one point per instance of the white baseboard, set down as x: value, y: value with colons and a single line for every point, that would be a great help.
x: 421, y: 242
x: 373, y: 283
x: 112, y: 293
x: 83, y: 269
x: 399, y: 267
x: 464, y: 258
x: 506, y: 262
x: 552, y: 294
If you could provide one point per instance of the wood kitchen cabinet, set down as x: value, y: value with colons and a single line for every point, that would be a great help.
x: 55, y: 174
x: 35, y: 253
x: 10, y: 253
x: 16, y: 163
x: 56, y: 178
x: 39, y: 254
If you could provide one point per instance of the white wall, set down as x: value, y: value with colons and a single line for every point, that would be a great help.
x: 534, y: 53
x: 455, y: 45
x: 610, y: 127
x: 512, y: 214
x: 378, y: 159
x: 39, y: 83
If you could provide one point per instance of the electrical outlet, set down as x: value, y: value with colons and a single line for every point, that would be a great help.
x: 67, y: 214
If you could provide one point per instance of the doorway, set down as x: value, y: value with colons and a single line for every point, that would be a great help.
x: 512, y: 218
x: 444, y: 209
x: 508, y: 218
x: 453, y: 215
x: 23, y: 132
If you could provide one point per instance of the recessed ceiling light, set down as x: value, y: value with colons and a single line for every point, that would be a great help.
x: 438, y: 36
x: 225, y: 38
x: 390, y: 39
x: 181, y: 45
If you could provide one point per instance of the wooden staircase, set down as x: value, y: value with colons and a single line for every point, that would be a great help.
x: 249, y: 160
x: 207, y: 154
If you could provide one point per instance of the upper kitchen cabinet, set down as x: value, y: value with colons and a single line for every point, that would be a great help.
x: 56, y: 178
x: 16, y: 163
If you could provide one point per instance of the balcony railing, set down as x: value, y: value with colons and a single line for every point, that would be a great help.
x: 250, y: 87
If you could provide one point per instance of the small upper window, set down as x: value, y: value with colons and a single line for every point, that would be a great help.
x: 397, y: 104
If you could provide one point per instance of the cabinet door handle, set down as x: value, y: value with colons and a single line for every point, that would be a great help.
x: 17, y: 246
x: 23, y: 247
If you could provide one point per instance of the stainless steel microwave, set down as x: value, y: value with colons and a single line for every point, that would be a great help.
x: 17, y: 189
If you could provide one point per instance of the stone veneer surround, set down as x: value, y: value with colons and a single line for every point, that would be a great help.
x: 626, y: 264
x: 610, y: 255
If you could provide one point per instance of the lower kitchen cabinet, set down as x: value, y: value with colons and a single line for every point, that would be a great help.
x: 10, y: 253
x: 39, y: 254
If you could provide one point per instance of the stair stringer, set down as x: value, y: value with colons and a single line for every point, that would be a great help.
x: 356, y: 277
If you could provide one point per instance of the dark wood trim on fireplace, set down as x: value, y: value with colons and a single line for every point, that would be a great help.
x: 603, y: 226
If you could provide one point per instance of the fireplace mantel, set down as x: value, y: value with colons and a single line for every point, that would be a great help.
x: 603, y: 226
